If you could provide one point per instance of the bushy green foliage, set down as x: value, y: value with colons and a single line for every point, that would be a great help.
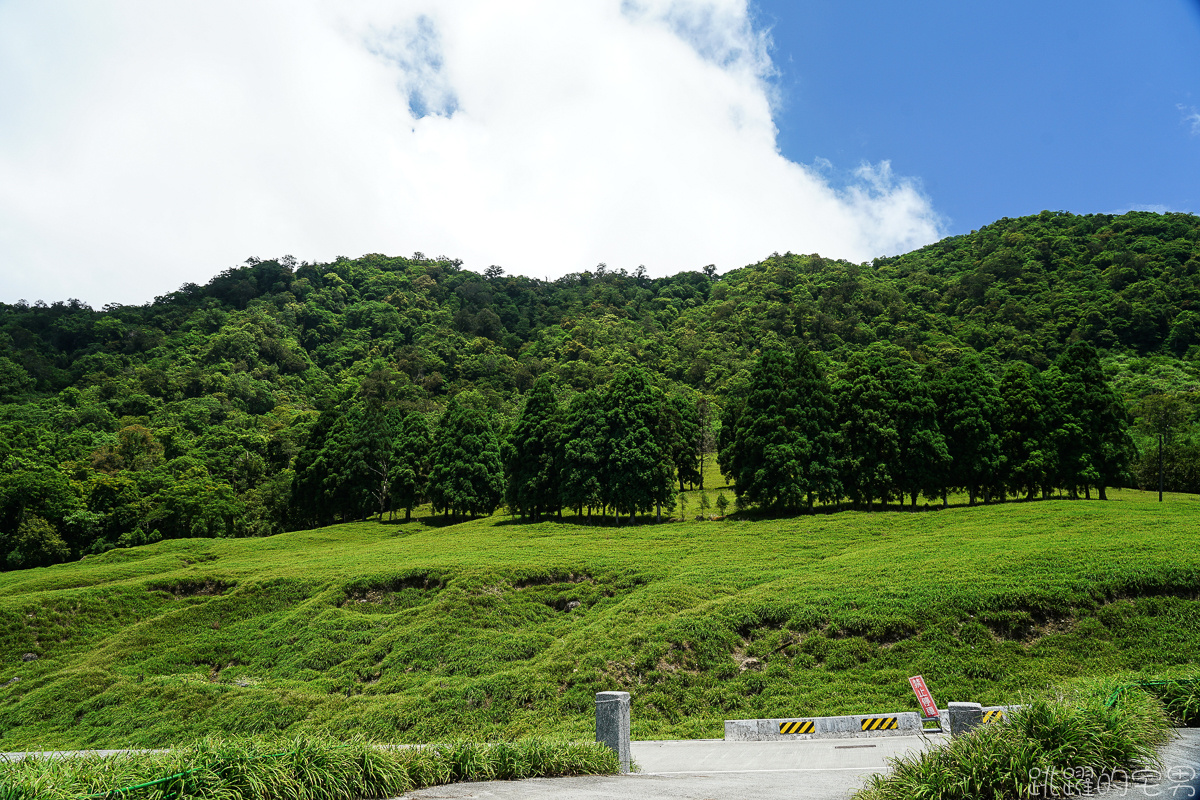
x: 1180, y: 696
x: 779, y: 441
x: 1182, y: 702
x: 36, y: 544
x: 1050, y: 748
x: 467, y: 476
x: 207, y: 411
x: 262, y: 769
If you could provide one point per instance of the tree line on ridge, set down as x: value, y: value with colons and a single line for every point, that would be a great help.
x: 237, y: 407
x: 884, y: 428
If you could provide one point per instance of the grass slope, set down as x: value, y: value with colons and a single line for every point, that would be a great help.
x: 489, y: 630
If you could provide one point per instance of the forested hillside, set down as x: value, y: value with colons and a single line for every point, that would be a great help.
x: 257, y: 402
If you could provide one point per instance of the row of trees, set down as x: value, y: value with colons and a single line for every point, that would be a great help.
x: 619, y: 448
x: 884, y: 428
x: 887, y: 427
x: 204, y: 412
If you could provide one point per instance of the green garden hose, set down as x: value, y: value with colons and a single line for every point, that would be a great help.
x: 117, y: 794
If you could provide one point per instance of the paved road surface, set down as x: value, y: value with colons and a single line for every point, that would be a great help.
x: 819, y: 769
x: 713, y: 769
x: 1179, y: 777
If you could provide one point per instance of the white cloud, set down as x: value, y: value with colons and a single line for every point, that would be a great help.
x: 1191, y: 118
x: 146, y: 144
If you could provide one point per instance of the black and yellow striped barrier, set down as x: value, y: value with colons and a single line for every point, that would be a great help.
x: 995, y: 715
x: 880, y: 724
x: 894, y: 723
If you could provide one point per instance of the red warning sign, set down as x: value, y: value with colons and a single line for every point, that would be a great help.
x: 928, y: 707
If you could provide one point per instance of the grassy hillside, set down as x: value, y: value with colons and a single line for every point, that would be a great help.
x: 489, y: 629
x: 200, y: 414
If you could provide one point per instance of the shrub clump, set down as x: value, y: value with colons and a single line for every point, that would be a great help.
x: 1180, y: 698
x: 1052, y: 747
x: 255, y: 769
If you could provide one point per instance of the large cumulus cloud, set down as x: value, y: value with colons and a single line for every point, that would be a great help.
x: 145, y: 144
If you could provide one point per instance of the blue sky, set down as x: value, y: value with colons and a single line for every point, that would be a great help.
x: 1001, y: 109
x: 144, y: 145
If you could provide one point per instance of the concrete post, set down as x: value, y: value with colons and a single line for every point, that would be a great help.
x: 964, y: 717
x: 612, y: 724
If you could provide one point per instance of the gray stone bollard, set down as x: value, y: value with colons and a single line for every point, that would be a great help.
x: 964, y: 717
x: 612, y: 723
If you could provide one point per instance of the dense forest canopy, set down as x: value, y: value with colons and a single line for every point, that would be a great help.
x: 212, y: 410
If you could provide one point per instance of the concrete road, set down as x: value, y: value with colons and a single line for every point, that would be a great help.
x: 1177, y: 779
x: 67, y: 753
x: 822, y: 769
x: 817, y: 769
x: 714, y: 769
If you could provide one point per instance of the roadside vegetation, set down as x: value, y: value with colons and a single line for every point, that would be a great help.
x: 492, y: 630
x: 1066, y: 746
x: 263, y: 769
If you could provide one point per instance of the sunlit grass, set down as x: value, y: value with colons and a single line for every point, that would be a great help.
x: 491, y: 629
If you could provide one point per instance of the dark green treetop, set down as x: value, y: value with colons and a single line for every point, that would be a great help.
x: 533, y: 454
x: 410, y: 480
x: 468, y: 473
x: 778, y: 434
x: 967, y: 403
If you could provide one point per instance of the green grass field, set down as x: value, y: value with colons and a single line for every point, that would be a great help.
x: 492, y: 630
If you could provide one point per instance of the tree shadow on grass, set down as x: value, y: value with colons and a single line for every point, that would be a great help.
x: 403, y: 527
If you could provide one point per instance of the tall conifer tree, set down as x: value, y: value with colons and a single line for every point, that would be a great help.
x: 467, y: 475
x: 777, y: 434
x: 1100, y: 454
x: 583, y: 436
x: 682, y: 434
x: 922, y: 447
x: 635, y: 468
x: 413, y: 448
x: 967, y: 402
x: 1027, y: 410
x: 868, y: 424
x: 533, y: 454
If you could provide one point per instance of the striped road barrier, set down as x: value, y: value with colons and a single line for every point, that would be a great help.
x: 880, y: 724
x: 903, y: 723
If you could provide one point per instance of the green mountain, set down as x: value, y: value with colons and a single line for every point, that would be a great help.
x: 191, y: 416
